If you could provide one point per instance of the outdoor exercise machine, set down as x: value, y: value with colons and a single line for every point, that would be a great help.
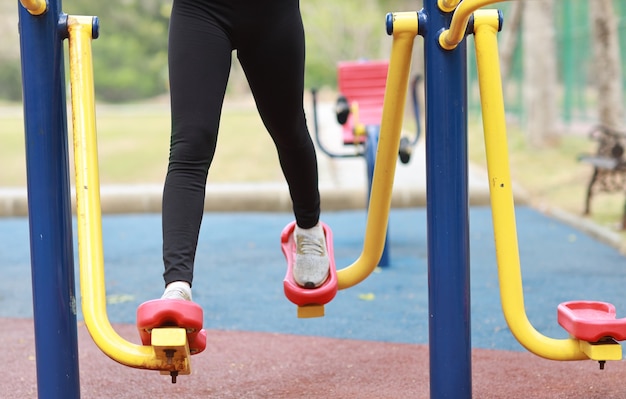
x: 170, y: 331
x: 358, y: 110
x: 443, y: 24
x: 593, y: 327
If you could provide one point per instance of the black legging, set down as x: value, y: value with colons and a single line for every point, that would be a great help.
x: 269, y: 39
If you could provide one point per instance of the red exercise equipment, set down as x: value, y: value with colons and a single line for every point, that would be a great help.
x: 362, y: 84
x: 591, y: 320
x: 305, y: 296
x: 172, y: 313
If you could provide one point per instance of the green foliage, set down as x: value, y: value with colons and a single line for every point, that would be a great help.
x: 339, y: 31
x: 130, y: 55
x: 10, y: 80
x: 121, y: 76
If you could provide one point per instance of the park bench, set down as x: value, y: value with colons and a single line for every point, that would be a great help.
x: 609, y: 165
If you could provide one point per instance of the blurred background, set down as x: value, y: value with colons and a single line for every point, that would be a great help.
x: 130, y: 62
x: 562, y: 67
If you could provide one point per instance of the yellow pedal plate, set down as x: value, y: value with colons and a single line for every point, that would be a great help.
x: 608, y: 349
x: 310, y: 311
x: 171, y: 347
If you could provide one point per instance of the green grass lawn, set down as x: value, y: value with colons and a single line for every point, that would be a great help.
x: 133, y: 145
x: 552, y: 176
x: 13, y: 170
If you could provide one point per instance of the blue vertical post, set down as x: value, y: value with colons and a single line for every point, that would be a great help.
x: 50, y: 214
x: 371, y: 146
x: 448, y: 210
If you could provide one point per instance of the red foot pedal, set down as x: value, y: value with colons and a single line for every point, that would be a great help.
x: 305, y: 296
x: 590, y: 321
x: 172, y: 313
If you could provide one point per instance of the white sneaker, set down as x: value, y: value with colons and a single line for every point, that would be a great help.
x: 311, y: 266
x: 177, y: 290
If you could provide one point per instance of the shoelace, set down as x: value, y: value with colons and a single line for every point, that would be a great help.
x: 310, y: 246
x: 176, y: 293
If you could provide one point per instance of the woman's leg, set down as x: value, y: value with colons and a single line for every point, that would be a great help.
x: 272, y: 57
x: 273, y: 60
x: 199, y: 65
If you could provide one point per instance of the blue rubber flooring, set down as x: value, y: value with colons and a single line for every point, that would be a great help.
x: 240, y: 267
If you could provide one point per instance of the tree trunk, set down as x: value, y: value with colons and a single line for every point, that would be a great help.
x: 607, y: 68
x: 540, y: 77
x: 509, y: 37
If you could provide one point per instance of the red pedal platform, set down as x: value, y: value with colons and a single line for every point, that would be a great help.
x: 591, y: 321
x: 172, y: 313
x: 305, y: 296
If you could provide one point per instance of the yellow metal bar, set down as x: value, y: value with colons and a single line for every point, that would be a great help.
x: 450, y: 38
x: 359, y: 128
x: 35, y: 7
x: 507, y: 252
x: 405, y: 27
x: 90, y: 252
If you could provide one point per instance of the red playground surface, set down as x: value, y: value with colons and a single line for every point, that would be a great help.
x: 269, y: 365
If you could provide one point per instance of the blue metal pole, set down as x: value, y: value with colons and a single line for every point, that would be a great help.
x: 371, y: 146
x: 50, y: 214
x: 448, y: 210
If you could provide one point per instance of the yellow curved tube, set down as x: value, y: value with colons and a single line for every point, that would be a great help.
x: 90, y: 252
x: 405, y: 26
x: 502, y: 205
x: 35, y: 7
x: 450, y: 38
